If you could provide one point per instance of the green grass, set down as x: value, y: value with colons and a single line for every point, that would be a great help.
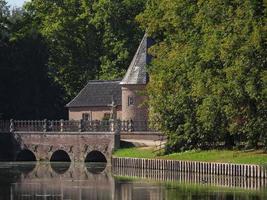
x: 224, y: 156
x: 135, y: 152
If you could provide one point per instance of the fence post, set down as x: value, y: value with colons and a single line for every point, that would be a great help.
x: 45, y: 125
x: 12, y: 126
x: 61, y: 125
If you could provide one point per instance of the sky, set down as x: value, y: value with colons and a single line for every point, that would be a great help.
x: 15, y: 3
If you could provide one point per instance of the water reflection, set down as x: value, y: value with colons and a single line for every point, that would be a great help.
x: 194, y: 178
x: 96, y: 168
x: 79, y: 181
x: 60, y: 167
x: 25, y: 167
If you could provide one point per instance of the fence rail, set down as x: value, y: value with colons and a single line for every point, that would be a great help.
x: 74, y: 126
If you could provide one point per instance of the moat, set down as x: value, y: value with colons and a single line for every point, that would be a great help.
x: 76, y: 181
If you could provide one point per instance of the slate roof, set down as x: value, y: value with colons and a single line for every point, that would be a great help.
x: 98, y: 93
x: 137, y: 73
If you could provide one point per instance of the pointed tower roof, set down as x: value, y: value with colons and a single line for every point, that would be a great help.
x: 137, y: 73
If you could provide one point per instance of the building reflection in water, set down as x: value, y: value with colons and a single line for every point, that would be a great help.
x: 77, y: 181
x: 63, y: 181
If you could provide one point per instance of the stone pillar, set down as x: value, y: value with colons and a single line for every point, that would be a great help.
x: 111, y: 125
x: 81, y: 125
x: 12, y: 126
x: 117, y: 134
x: 61, y: 125
x: 45, y: 125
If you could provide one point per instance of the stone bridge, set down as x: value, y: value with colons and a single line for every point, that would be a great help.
x: 91, y: 141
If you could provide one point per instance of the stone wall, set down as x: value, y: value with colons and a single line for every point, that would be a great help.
x: 76, y: 145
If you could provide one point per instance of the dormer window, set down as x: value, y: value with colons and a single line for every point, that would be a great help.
x: 130, y: 101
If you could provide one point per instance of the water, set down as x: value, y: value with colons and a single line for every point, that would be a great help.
x: 78, y: 181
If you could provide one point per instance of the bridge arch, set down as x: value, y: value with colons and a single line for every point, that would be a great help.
x: 95, y: 156
x: 60, y: 156
x: 26, y: 155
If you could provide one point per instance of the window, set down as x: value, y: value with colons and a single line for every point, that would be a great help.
x: 86, y: 116
x: 106, y: 116
x: 130, y: 101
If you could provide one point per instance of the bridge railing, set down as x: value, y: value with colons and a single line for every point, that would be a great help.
x: 54, y: 126
x: 97, y: 126
x: 136, y: 126
x: 57, y: 126
x: 28, y: 125
x: 75, y: 126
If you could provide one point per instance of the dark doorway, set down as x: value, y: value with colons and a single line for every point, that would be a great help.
x: 95, y: 156
x: 26, y: 155
x: 60, y: 156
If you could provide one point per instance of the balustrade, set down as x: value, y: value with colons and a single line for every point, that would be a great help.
x: 73, y: 126
x: 135, y: 126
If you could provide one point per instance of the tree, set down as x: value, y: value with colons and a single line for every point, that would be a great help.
x: 208, y: 78
x: 119, y: 34
x: 26, y: 90
x: 72, y: 41
x: 87, y: 39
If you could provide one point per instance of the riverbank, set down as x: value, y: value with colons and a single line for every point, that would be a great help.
x: 218, y: 156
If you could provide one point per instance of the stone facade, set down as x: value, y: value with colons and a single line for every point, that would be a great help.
x: 76, y: 145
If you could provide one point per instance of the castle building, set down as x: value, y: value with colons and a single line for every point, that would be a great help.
x: 98, y: 99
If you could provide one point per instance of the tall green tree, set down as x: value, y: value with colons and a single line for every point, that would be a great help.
x: 208, y: 78
x: 119, y: 34
x: 26, y: 89
x: 87, y: 39
x: 72, y: 41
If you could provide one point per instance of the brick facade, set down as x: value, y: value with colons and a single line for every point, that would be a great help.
x: 95, y: 113
x: 135, y: 110
x: 76, y: 145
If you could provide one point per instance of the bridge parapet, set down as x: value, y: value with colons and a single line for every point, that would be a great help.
x: 74, y: 126
x: 77, y: 138
x: 61, y: 126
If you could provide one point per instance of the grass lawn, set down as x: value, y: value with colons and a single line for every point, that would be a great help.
x: 224, y: 156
